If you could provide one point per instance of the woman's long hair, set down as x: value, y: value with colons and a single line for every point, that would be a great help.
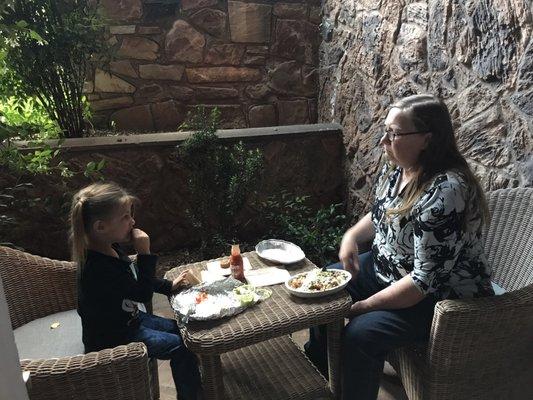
x: 95, y: 202
x: 429, y: 114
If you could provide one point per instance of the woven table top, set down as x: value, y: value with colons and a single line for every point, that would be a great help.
x: 280, y: 314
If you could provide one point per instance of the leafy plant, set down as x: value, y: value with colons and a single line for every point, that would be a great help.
x: 28, y: 119
x: 47, y: 51
x: 13, y: 197
x: 318, y: 232
x: 220, y: 179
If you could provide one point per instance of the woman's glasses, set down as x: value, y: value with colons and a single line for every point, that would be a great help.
x: 391, y: 135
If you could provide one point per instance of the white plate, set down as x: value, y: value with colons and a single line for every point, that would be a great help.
x: 307, y: 293
x: 279, y: 251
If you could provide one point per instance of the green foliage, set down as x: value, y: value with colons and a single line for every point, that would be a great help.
x: 13, y: 197
x: 220, y: 179
x: 27, y: 119
x: 94, y: 169
x: 46, y: 48
x: 318, y: 233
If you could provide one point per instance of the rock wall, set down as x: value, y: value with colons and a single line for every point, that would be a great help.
x: 254, y: 59
x: 476, y: 54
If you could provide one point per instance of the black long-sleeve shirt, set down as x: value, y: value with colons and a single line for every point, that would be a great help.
x: 107, y: 296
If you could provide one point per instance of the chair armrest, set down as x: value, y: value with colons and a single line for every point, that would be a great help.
x: 36, y: 286
x: 491, y: 331
x: 121, y: 373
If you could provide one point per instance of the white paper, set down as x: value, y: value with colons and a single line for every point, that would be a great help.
x: 267, y: 276
x: 210, y: 277
x: 214, y: 268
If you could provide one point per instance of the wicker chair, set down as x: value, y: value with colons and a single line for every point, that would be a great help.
x: 483, y: 348
x: 36, y: 287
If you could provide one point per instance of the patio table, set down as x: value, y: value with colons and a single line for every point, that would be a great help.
x: 251, y: 355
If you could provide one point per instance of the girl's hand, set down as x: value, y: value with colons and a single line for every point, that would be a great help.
x: 348, y: 254
x: 180, y: 281
x: 140, y: 241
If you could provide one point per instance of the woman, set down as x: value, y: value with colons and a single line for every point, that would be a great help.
x: 425, y: 229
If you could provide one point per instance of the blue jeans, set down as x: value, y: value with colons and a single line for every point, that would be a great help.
x: 368, y: 338
x: 163, y: 341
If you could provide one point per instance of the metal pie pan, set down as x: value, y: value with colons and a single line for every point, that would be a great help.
x: 279, y: 251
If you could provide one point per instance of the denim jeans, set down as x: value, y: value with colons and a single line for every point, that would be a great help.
x: 163, y: 341
x: 368, y: 338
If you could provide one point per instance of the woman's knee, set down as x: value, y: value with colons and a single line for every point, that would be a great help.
x: 362, y: 335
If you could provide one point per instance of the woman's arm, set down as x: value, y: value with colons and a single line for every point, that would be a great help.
x: 362, y: 232
x: 401, y: 294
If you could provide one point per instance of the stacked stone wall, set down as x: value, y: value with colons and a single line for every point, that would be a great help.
x: 476, y: 54
x: 255, y: 60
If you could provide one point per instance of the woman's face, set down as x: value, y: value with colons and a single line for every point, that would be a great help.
x: 401, y: 141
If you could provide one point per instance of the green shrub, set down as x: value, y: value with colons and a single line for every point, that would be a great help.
x: 317, y: 232
x: 220, y: 179
x: 27, y: 119
x: 47, y: 51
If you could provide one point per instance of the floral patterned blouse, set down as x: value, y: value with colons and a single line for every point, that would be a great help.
x: 432, y: 243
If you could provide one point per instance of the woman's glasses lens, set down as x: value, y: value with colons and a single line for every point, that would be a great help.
x: 391, y: 135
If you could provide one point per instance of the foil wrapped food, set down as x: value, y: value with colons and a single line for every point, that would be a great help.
x: 214, y: 300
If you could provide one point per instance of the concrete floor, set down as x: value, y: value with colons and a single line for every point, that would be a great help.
x: 390, y: 388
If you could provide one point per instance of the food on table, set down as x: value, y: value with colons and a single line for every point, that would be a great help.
x: 318, y: 280
x: 224, y: 263
x: 201, y: 296
x: 217, y: 299
x: 297, y: 282
x: 248, y: 295
x: 191, y: 278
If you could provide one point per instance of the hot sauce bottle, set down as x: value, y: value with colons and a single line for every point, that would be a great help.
x: 236, y: 263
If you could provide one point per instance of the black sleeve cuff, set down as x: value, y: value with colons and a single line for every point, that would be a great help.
x: 162, y: 286
x: 146, y: 264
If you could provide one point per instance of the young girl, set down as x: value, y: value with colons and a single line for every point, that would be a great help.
x: 112, y: 289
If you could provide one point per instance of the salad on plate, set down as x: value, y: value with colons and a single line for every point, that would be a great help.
x: 318, y: 282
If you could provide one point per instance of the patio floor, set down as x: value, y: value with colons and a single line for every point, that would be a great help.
x: 390, y: 388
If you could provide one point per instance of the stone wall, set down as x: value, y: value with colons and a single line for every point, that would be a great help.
x: 476, y: 54
x: 254, y: 59
x: 304, y: 160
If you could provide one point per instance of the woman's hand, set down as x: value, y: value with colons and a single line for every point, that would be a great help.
x: 140, y: 241
x: 361, y: 232
x: 348, y: 254
x: 358, y: 308
x: 180, y: 281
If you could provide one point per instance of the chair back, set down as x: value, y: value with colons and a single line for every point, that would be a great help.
x: 36, y: 286
x: 508, y: 239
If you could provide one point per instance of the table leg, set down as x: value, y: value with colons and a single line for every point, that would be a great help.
x: 334, y: 330
x: 212, y: 382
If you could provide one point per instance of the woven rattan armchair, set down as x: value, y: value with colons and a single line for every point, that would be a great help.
x: 483, y: 348
x: 37, y: 287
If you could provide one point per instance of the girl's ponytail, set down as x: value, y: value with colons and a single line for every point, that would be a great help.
x: 78, y: 239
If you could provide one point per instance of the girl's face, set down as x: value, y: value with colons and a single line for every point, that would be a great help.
x: 401, y: 141
x: 117, y: 228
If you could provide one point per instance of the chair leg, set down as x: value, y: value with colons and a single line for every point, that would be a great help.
x: 154, y: 378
